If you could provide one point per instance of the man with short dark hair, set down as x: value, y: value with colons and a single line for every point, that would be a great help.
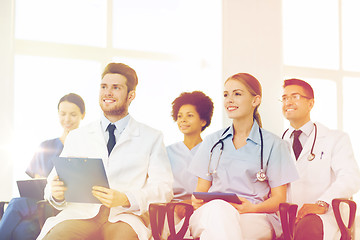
x: 135, y: 161
x: 325, y: 162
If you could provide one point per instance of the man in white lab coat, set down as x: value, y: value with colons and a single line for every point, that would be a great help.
x: 137, y: 167
x: 325, y: 162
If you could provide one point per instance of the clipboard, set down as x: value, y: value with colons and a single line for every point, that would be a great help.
x: 32, y: 188
x: 79, y: 176
x: 208, y: 196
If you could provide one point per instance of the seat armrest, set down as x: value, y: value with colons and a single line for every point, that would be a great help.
x: 189, y: 209
x: 158, y: 211
x: 346, y: 231
x: 288, y: 217
x: 2, y: 208
x: 42, y: 205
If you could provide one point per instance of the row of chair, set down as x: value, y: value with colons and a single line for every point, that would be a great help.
x: 160, y: 211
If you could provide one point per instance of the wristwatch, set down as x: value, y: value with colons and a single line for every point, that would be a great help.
x: 323, y: 204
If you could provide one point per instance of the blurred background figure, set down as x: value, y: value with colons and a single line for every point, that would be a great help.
x: 20, y: 221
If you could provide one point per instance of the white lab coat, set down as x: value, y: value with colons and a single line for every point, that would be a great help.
x: 138, y: 165
x: 333, y: 173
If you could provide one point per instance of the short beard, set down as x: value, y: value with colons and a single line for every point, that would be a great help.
x: 117, y: 111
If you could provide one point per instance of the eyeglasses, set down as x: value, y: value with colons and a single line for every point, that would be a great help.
x: 293, y: 97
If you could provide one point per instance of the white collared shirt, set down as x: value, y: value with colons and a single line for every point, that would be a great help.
x: 306, y: 129
x: 120, y: 126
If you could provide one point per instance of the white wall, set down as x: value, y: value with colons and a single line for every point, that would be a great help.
x: 252, y: 43
x: 6, y: 96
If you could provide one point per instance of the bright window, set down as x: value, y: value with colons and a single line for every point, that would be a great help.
x: 146, y: 25
x: 81, y: 22
x: 173, y: 46
x: 351, y: 113
x: 311, y: 33
x: 352, y: 116
x: 351, y: 36
x: 325, y: 107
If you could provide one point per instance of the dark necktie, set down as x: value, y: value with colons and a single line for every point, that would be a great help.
x: 296, y: 143
x: 111, y: 143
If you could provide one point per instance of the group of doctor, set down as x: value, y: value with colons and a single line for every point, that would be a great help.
x: 261, y: 168
x: 310, y: 168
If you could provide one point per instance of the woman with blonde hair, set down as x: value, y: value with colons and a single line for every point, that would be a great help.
x: 245, y: 160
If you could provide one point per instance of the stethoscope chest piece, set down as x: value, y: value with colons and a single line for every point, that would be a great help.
x: 261, y: 176
x: 311, y: 156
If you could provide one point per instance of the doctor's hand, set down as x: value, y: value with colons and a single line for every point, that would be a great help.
x: 110, y: 197
x: 245, y: 207
x: 309, y: 209
x: 57, y: 189
x: 196, y: 202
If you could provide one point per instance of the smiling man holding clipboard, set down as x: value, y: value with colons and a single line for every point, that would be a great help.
x: 135, y: 162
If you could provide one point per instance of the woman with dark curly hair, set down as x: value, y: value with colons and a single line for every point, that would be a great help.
x: 192, y: 111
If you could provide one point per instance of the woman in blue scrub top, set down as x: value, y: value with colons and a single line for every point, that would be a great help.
x: 20, y: 220
x: 192, y: 111
x: 235, y: 170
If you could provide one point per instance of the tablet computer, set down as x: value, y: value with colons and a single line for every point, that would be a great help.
x: 208, y: 196
x: 79, y: 176
x: 32, y: 188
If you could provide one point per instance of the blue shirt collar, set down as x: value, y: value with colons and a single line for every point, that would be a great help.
x: 254, y: 135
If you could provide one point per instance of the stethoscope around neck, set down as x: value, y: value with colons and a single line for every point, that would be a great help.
x: 261, y: 176
x: 312, y: 154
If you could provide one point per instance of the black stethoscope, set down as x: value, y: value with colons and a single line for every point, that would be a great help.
x: 312, y: 154
x: 261, y: 176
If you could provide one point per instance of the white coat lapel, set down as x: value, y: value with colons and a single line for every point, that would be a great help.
x: 131, y: 130
x: 306, y: 149
x: 97, y: 137
x: 286, y: 137
x: 321, y: 133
